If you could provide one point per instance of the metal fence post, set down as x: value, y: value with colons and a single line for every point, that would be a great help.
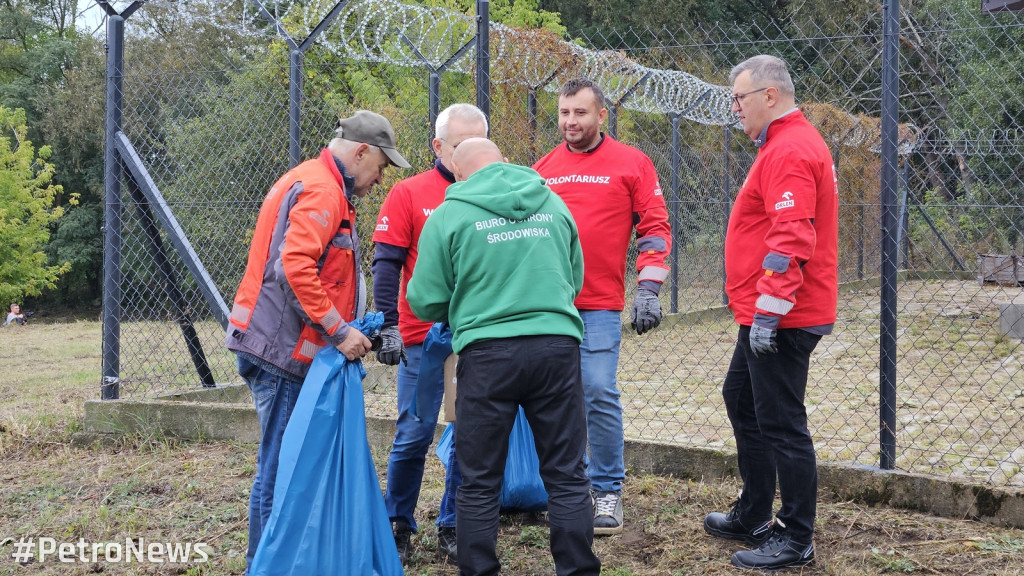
x: 726, y: 196
x: 434, y: 98
x: 110, y: 389
x: 295, y: 107
x: 295, y: 62
x: 673, y: 214
x: 483, y: 57
x: 890, y: 252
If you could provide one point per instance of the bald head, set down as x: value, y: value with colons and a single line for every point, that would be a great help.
x: 472, y: 155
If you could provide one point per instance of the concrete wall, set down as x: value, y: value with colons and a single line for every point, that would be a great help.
x: 227, y: 413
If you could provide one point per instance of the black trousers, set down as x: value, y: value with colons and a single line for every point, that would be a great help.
x: 495, y: 377
x: 765, y: 401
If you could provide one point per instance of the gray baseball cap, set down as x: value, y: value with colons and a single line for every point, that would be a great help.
x: 374, y: 129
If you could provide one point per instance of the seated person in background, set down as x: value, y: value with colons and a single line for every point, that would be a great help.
x: 15, y: 315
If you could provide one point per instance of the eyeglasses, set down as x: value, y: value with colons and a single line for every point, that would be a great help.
x: 738, y: 98
x: 454, y: 146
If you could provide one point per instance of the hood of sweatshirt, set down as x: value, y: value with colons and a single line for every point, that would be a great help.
x: 506, y: 190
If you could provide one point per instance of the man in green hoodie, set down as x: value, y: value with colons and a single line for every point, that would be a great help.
x: 500, y: 261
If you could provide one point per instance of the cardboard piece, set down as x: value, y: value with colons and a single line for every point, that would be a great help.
x: 449, y: 387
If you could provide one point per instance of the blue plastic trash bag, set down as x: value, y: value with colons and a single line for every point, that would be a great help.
x: 430, y: 383
x: 521, y: 488
x: 328, y: 516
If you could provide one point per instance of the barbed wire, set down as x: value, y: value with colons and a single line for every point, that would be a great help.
x: 388, y: 31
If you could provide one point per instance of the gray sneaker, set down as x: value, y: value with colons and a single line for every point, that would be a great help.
x: 607, y: 513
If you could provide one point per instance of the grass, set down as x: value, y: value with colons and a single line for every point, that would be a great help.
x: 160, y: 488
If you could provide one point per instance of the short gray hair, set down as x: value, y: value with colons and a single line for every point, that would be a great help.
x: 766, y: 70
x: 465, y: 112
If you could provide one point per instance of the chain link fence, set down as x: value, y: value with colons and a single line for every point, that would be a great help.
x: 206, y: 108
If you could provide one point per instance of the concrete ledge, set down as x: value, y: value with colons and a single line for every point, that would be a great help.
x: 195, y: 420
x: 938, y: 496
x: 679, y: 461
x: 232, y: 394
x: 227, y: 420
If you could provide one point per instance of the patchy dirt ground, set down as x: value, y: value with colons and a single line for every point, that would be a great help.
x: 165, y: 490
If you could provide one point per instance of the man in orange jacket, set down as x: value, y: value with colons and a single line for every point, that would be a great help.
x: 303, y: 284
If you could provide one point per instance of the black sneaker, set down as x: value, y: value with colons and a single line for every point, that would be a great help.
x: 446, y: 544
x: 777, y: 552
x: 729, y: 526
x: 403, y: 540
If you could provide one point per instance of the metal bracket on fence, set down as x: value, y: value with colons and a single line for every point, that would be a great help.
x: 295, y: 74
x: 531, y: 111
x: 942, y: 239
x: 163, y: 264
x: 434, y: 83
x: 170, y: 224
x: 613, y: 112
x: 124, y: 13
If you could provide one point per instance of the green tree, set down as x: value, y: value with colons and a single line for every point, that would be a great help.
x: 27, y: 193
x: 56, y: 75
x: 623, y: 24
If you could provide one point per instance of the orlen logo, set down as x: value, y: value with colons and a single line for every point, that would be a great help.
x: 320, y: 217
x: 787, y: 203
x: 382, y: 226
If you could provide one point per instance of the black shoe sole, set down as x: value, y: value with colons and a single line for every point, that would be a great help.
x: 725, y: 535
x: 744, y: 537
x: 739, y: 537
x: 794, y: 564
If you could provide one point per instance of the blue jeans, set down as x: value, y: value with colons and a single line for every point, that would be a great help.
x: 599, y: 361
x: 409, y: 451
x: 275, y: 398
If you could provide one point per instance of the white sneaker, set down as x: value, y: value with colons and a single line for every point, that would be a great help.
x: 607, y: 513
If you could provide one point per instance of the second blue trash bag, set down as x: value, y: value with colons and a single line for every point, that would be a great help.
x: 521, y: 487
x: 437, y: 346
x: 328, y: 516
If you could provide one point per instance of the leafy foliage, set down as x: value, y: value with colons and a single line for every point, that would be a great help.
x: 27, y: 193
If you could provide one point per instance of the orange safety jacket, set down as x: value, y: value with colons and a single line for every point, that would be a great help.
x: 302, y: 282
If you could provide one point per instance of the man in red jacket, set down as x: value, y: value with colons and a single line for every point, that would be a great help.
x: 606, y: 185
x: 781, y: 267
x: 396, y: 241
x: 303, y: 284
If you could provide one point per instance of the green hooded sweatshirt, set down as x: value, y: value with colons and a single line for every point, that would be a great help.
x: 499, y: 258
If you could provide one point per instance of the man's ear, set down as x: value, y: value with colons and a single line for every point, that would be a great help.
x: 361, y: 151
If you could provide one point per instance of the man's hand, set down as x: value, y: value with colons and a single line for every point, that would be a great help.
x: 762, y: 335
x: 646, y: 311
x: 391, y: 349
x: 355, y: 345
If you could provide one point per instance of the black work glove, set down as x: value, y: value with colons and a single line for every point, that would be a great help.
x: 391, y: 349
x: 646, y: 311
x: 762, y: 335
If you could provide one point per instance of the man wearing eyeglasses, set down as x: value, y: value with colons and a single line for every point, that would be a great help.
x: 781, y: 266
x: 402, y: 216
